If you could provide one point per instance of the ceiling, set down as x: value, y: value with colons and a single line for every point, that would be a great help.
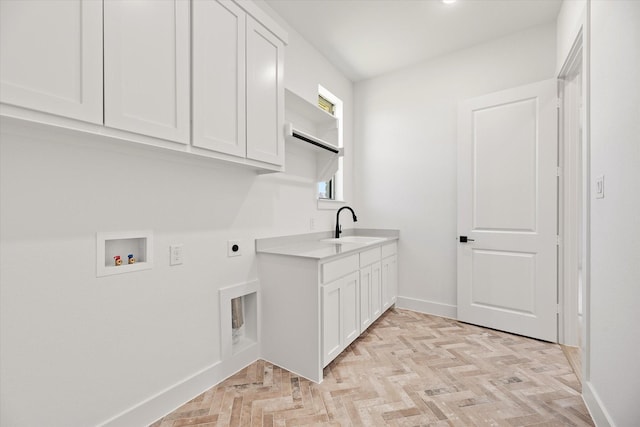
x: 367, y: 38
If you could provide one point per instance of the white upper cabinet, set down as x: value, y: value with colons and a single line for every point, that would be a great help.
x: 51, y: 57
x: 238, y: 90
x: 146, y: 67
x: 219, y: 77
x: 126, y: 67
x: 265, y: 95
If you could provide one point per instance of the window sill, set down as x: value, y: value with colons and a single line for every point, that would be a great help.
x: 330, y: 205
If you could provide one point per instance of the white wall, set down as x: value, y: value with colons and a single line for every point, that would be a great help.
x: 614, y: 376
x: 406, y: 153
x: 77, y: 350
x: 570, y: 19
x: 305, y: 69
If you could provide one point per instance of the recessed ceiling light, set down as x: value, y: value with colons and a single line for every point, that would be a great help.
x: 448, y: 1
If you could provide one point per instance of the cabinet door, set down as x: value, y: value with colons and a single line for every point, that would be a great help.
x: 351, y: 308
x: 146, y: 62
x: 331, y: 321
x: 389, y: 281
x: 219, y: 77
x: 265, y: 95
x: 366, y: 315
x: 51, y: 57
x: 393, y: 278
x: 340, y: 315
x: 376, y: 290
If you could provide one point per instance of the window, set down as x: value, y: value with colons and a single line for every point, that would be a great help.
x: 332, y: 189
x: 325, y: 190
x: 326, y: 105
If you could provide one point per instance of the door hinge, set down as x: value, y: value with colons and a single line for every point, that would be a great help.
x: 558, y: 171
x: 557, y: 308
x: 558, y: 103
x: 558, y: 241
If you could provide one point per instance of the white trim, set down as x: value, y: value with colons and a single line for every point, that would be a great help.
x: 330, y: 205
x: 338, y: 185
x: 586, y: 114
x: 582, y: 39
x: 570, y: 187
x: 171, y: 398
x: 598, y: 413
x: 428, y: 307
x: 579, y: 48
x: 157, y: 406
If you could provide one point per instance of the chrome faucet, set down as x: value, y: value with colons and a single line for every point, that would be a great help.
x: 338, y: 226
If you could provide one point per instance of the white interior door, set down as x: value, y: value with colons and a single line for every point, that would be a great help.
x: 507, y: 209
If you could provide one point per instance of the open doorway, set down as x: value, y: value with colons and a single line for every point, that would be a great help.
x: 573, y: 206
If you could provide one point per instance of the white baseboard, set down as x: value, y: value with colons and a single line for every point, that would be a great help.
x: 157, y: 406
x: 597, y: 410
x: 428, y: 307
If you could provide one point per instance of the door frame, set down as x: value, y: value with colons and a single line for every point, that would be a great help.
x: 570, y: 207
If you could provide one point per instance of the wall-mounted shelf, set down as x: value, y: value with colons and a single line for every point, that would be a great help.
x: 321, y: 121
x: 314, y: 128
x: 291, y: 132
x: 327, y: 154
x: 110, y: 245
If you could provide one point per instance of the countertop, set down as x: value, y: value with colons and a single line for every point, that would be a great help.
x: 310, y: 245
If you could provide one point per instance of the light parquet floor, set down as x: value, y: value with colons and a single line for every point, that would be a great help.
x: 408, y: 369
x: 573, y: 356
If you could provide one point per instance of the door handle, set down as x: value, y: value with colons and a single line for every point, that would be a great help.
x: 465, y: 239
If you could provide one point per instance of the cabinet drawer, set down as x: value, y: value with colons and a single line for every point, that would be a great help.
x: 335, y: 269
x: 390, y: 249
x: 370, y: 256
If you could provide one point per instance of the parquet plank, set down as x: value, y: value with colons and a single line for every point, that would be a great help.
x: 408, y: 369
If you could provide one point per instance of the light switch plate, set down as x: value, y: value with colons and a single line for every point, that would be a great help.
x: 600, y: 187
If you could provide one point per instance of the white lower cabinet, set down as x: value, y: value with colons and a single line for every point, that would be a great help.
x: 389, y: 282
x: 370, y: 295
x: 340, y: 315
x: 365, y: 298
x: 389, y: 275
x: 313, y: 309
x: 370, y: 290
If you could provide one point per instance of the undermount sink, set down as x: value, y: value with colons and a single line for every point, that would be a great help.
x: 355, y: 239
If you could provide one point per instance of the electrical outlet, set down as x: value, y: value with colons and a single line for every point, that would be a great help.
x: 234, y: 248
x: 312, y: 224
x: 600, y: 187
x: 176, y: 254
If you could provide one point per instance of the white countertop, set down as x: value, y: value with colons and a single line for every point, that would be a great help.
x: 311, y: 246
